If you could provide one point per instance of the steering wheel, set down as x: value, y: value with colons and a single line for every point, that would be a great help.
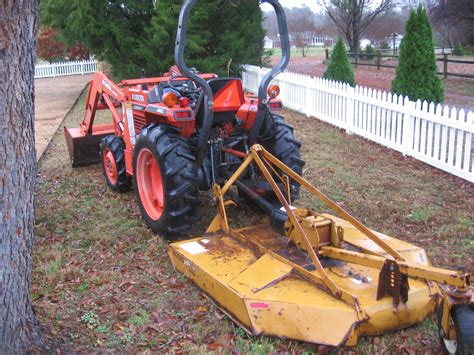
x: 184, y: 89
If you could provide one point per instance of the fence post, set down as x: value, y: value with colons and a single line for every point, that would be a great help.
x: 408, y: 126
x: 349, y: 93
x: 445, y: 66
x: 82, y: 68
x: 53, y: 70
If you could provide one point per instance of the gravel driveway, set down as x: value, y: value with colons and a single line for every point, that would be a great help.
x: 53, y: 100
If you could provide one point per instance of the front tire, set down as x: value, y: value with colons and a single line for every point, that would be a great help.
x: 112, y: 153
x: 165, y: 180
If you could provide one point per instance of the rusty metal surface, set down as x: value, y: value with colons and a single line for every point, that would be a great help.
x: 392, y: 283
x: 278, y: 302
x: 278, y: 244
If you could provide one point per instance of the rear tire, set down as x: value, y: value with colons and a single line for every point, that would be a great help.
x: 463, y: 319
x: 284, y: 146
x: 165, y: 180
x: 112, y: 153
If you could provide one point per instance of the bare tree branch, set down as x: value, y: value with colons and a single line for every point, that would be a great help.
x: 454, y: 20
x: 352, y: 17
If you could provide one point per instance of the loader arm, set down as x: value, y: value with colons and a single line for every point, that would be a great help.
x: 101, y: 87
x: 83, y: 141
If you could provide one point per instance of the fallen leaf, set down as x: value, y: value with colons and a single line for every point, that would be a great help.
x: 214, y: 346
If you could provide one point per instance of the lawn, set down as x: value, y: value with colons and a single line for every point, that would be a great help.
x: 103, y: 283
x: 296, y: 52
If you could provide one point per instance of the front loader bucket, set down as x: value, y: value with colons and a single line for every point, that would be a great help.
x: 84, y: 148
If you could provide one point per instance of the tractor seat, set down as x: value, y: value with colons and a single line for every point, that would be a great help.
x: 228, y: 97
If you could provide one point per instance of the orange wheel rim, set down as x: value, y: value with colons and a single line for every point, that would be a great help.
x: 150, y: 184
x: 110, y: 166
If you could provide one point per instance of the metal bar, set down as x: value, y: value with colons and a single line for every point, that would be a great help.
x: 425, y: 272
x: 221, y: 207
x: 111, y: 106
x: 332, y: 205
x: 335, y: 290
x: 235, y: 152
x: 208, y: 97
x: 237, y: 174
x: 271, y: 74
x: 152, y: 81
x: 270, y: 167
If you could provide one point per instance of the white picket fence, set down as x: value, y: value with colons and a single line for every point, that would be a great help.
x: 65, y: 68
x: 434, y: 134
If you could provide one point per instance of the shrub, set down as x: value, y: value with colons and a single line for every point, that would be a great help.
x: 339, y: 67
x: 417, y: 75
x: 458, y: 50
x: 385, y: 45
x: 133, y: 35
x: 368, y: 53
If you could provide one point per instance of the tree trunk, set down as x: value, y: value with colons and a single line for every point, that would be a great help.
x: 18, y: 27
x: 352, y: 47
x: 356, y: 16
x: 355, y: 42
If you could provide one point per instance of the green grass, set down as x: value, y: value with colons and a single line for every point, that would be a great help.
x: 296, y: 52
x: 140, y: 318
x: 95, y: 257
x: 420, y: 215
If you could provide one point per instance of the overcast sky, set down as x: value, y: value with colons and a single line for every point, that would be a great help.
x: 312, y: 4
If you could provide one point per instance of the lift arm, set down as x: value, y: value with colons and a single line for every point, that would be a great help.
x: 112, y: 96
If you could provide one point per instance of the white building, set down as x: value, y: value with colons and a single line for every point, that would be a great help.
x: 268, y: 43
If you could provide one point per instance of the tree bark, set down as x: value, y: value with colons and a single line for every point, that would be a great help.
x: 18, y: 27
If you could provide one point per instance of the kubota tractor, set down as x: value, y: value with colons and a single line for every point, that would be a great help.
x: 302, y: 275
x: 182, y: 132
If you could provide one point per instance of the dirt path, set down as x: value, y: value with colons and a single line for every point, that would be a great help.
x: 54, y: 97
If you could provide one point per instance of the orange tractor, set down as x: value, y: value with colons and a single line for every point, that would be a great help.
x: 303, y: 275
x: 179, y: 133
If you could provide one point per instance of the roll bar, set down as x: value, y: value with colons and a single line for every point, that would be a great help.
x: 208, y: 101
x: 285, y: 58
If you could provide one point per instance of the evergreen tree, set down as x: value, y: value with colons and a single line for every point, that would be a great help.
x: 339, y: 67
x: 417, y: 75
x: 136, y: 34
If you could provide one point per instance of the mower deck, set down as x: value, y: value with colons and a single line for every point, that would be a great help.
x: 266, y: 296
